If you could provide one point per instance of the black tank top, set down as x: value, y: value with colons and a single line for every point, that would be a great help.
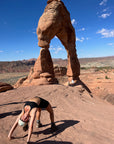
x: 43, y: 104
x: 31, y: 104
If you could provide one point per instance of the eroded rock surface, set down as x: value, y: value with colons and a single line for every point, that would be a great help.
x: 4, y: 87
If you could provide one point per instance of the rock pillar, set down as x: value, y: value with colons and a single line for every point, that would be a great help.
x: 44, y: 64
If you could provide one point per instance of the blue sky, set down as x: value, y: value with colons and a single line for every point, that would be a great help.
x: 93, y: 21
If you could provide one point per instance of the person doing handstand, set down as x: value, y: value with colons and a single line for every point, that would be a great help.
x: 32, y: 109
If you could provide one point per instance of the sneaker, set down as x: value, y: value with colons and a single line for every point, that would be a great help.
x: 38, y: 125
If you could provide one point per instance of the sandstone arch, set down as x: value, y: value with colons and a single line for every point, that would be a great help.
x: 55, y: 21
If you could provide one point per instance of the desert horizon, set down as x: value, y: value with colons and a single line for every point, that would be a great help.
x: 96, y: 57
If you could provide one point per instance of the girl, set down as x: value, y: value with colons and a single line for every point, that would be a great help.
x: 32, y: 109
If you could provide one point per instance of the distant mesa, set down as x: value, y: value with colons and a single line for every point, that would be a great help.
x: 25, y: 65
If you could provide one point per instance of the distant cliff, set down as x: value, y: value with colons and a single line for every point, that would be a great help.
x: 16, y: 66
x: 25, y: 65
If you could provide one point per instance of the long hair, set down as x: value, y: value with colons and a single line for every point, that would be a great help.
x: 25, y: 118
x: 26, y: 115
x: 25, y: 128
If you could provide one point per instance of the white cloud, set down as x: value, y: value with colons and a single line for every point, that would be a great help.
x: 105, y: 10
x: 87, y: 38
x: 56, y: 50
x: 82, y: 29
x: 56, y: 37
x: 111, y: 44
x: 105, y: 15
x: 21, y: 51
x: 34, y: 32
x: 1, y: 51
x: 106, y: 33
x: 80, y: 39
x: 73, y: 21
x: 103, y: 2
x: 51, y: 48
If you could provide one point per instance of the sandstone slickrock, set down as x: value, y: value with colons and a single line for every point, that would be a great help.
x: 20, y: 82
x: 4, y: 87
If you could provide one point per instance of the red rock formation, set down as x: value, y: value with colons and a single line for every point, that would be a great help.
x: 4, y: 87
x: 43, y: 64
x: 55, y: 21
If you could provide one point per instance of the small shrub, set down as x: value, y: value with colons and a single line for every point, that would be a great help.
x: 106, y: 77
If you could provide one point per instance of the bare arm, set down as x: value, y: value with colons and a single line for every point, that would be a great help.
x: 33, y: 115
x: 14, y: 126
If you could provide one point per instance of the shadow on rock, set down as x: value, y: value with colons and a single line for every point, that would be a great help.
x: 14, y: 113
x: 61, y: 127
x: 51, y: 142
x: 12, y: 103
x: 79, y: 82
